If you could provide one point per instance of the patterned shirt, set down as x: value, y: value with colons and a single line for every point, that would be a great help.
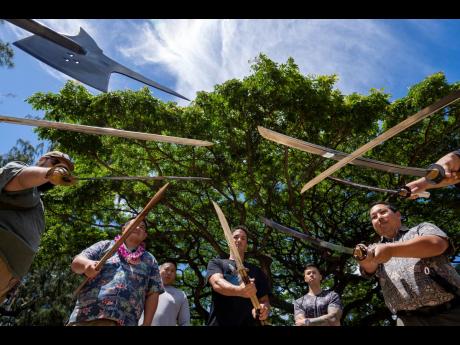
x: 119, y: 291
x: 310, y: 306
x: 405, y: 282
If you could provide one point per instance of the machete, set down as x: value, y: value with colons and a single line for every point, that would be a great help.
x: 359, y: 252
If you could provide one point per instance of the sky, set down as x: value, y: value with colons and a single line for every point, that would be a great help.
x: 194, y: 55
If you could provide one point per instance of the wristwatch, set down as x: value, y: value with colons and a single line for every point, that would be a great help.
x: 306, y: 322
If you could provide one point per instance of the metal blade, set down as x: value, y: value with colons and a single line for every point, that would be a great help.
x: 92, y: 68
x: 402, y: 192
x: 45, y: 32
x: 104, y: 131
x: 142, y: 178
x: 317, y: 242
x: 228, y: 236
x: 337, y: 155
x: 425, y: 112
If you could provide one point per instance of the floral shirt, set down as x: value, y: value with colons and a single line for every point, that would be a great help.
x: 119, y: 291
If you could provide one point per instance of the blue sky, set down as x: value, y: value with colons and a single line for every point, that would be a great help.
x: 193, y: 55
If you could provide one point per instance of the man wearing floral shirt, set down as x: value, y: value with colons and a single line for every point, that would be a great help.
x: 127, y: 284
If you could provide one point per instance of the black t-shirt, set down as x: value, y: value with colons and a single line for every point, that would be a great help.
x: 232, y: 310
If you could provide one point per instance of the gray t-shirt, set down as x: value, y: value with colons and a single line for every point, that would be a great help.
x: 405, y: 284
x: 172, y: 310
x: 310, y: 306
x: 22, y: 222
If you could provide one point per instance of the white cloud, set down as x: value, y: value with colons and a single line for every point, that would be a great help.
x: 195, y: 55
x: 202, y: 53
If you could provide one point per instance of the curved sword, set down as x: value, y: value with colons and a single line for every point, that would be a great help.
x: 141, y: 178
x: 359, y: 252
x: 417, y: 117
x: 236, y: 255
x: 403, y: 192
x: 338, y: 155
x: 104, y: 131
x: 312, y: 240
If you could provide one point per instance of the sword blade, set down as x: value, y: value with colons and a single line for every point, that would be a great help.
x: 402, y: 192
x: 317, y: 242
x: 417, y: 117
x: 104, y: 131
x: 338, y: 155
x: 143, y: 178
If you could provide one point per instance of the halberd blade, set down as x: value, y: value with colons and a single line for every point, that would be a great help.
x: 93, y: 68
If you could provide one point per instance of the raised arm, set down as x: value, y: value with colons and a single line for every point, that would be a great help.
x: 451, y: 165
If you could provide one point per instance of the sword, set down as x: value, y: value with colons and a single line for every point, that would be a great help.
x: 104, y: 131
x: 139, y: 218
x: 359, y: 252
x: 403, y: 192
x: 236, y: 255
x: 425, y: 112
x: 141, y: 178
x: 338, y: 155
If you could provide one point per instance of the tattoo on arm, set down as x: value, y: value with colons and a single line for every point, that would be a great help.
x: 330, y: 319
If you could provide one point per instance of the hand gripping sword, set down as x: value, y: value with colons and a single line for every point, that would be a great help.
x: 140, y: 217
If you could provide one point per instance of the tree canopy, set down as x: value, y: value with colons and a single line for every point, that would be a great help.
x: 251, y: 177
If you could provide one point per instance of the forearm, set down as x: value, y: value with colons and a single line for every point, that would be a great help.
x: 150, y: 307
x: 419, y: 247
x: 220, y: 285
x: 28, y: 178
x: 332, y: 318
x: 79, y: 264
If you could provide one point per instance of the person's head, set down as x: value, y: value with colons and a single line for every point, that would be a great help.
x: 168, y: 272
x: 49, y: 160
x: 312, y: 275
x: 139, y: 234
x: 52, y: 158
x: 385, y: 219
x: 240, y: 237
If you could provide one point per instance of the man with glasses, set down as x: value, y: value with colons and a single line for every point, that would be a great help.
x: 22, y: 217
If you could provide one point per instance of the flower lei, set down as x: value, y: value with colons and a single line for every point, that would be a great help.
x: 131, y: 257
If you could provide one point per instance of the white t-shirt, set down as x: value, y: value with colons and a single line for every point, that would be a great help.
x: 172, y: 310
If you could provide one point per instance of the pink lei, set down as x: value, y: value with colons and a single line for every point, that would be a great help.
x: 132, y: 257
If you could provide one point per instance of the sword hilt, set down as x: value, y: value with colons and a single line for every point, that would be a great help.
x: 254, y: 300
x: 405, y: 192
x: 360, y: 252
x: 435, y: 174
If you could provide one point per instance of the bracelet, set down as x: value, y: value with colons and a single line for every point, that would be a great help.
x: 306, y: 322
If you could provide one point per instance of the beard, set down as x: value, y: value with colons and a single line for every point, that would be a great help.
x: 45, y: 187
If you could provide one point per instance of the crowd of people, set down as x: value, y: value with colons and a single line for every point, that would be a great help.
x: 412, y: 266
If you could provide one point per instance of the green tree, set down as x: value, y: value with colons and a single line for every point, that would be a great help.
x: 6, y: 53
